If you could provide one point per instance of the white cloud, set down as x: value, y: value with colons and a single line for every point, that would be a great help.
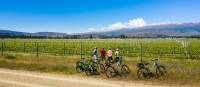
x: 91, y: 29
x: 116, y: 26
x: 133, y: 23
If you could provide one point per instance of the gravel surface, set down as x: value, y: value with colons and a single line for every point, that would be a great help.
x: 19, y: 78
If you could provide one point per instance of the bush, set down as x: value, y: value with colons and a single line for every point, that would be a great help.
x: 8, y: 56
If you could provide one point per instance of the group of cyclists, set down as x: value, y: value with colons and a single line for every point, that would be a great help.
x: 112, y: 65
x: 104, y: 53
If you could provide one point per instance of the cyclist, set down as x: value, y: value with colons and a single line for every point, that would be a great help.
x: 109, y: 54
x: 117, y: 58
x: 95, y: 55
x: 117, y: 53
x: 103, y: 54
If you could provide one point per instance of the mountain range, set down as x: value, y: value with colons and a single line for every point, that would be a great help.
x: 16, y: 33
x: 154, y: 30
x: 169, y: 29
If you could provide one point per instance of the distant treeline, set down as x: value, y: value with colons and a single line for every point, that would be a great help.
x: 89, y: 37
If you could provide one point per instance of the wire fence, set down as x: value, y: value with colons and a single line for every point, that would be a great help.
x: 162, y: 48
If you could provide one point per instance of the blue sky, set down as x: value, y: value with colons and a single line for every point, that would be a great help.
x: 74, y: 16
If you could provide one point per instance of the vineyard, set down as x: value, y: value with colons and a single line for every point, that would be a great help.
x: 162, y: 48
x: 179, y: 56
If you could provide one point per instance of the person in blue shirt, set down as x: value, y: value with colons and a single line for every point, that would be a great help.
x: 95, y: 54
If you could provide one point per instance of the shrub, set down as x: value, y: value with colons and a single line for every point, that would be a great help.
x: 8, y: 56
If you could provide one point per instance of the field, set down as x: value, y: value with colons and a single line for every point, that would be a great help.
x: 170, y: 48
x: 180, y: 56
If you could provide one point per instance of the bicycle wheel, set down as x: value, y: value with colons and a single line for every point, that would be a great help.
x: 143, y: 73
x: 102, y: 68
x: 88, y: 70
x: 79, y: 66
x: 160, y: 71
x: 79, y: 63
x: 110, y: 72
x: 95, y: 66
x: 125, y: 70
x: 79, y: 69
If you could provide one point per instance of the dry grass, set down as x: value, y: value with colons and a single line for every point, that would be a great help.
x: 179, y: 71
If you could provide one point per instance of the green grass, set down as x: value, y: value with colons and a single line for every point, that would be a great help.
x: 42, y: 63
x: 179, y: 71
x: 60, y: 55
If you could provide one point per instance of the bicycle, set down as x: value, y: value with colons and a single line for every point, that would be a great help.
x: 101, y: 66
x: 104, y: 64
x: 117, y: 68
x: 91, y: 68
x: 144, y: 72
x: 81, y: 65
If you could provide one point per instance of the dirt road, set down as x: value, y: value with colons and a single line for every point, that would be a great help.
x: 18, y: 78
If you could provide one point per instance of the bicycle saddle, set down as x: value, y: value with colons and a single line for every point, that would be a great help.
x: 154, y: 60
x: 146, y: 63
x: 140, y: 64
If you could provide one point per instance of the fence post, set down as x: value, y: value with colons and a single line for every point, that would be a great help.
x: 2, y: 48
x: 64, y: 49
x: 24, y: 47
x: 159, y: 53
x: 141, y: 52
x: 37, y: 49
x: 81, y: 49
x: 189, y: 51
x: 134, y: 52
x: 14, y: 47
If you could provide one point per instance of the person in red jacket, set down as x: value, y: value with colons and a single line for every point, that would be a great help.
x: 103, y: 54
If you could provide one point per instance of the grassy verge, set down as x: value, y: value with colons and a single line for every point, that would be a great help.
x: 43, y: 63
x: 179, y: 71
